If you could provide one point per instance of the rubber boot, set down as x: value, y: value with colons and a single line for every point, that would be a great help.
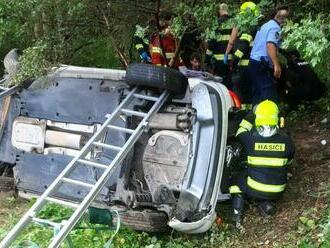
x: 266, y: 208
x: 238, y: 208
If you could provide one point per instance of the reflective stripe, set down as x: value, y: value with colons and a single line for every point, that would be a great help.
x: 138, y: 46
x: 156, y: 50
x: 268, y: 116
x: 241, y: 130
x: 245, y: 124
x: 246, y: 37
x: 219, y: 56
x: 265, y: 187
x: 246, y: 106
x: 169, y: 55
x: 222, y: 56
x: 234, y: 189
x: 158, y: 64
x: 243, y: 62
x: 224, y: 37
x: 239, y: 54
x: 263, y: 161
x: 208, y: 52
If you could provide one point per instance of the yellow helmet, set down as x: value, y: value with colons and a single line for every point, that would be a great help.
x: 249, y: 5
x: 266, y: 114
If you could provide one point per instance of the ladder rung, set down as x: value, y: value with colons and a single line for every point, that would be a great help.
x: 110, y: 147
x: 94, y: 164
x: 64, y: 203
x: 122, y: 129
x: 145, y: 97
x: 46, y: 222
x: 76, y: 182
x: 132, y: 112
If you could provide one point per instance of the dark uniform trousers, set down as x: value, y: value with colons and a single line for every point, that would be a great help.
x: 263, y: 84
x: 267, y: 159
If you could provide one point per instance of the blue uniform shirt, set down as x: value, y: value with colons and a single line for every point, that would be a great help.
x: 269, y: 32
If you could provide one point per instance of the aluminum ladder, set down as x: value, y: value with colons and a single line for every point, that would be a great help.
x: 134, y: 134
x: 8, y: 91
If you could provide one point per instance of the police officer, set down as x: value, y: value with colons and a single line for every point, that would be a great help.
x: 241, y: 56
x: 141, y: 43
x: 216, y: 48
x: 267, y: 153
x: 264, y: 58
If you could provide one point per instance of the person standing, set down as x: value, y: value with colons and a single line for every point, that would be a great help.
x: 241, y: 54
x: 264, y: 66
x: 216, y: 48
x: 141, y: 43
x: 163, y: 44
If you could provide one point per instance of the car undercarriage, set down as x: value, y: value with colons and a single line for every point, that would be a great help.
x: 176, y: 171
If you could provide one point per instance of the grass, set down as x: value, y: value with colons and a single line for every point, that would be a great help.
x: 312, y: 230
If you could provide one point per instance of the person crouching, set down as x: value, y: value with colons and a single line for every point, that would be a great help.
x: 267, y: 153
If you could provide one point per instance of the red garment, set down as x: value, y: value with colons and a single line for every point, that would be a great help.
x: 169, y: 46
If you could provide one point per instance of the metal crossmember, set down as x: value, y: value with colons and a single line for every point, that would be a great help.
x: 94, y: 189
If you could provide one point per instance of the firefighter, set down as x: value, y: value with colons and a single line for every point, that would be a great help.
x: 267, y: 153
x: 216, y: 48
x: 264, y: 63
x: 241, y: 56
x: 141, y: 42
x: 163, y: 44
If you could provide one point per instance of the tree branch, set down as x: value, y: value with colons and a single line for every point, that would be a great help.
x: 121, y: 55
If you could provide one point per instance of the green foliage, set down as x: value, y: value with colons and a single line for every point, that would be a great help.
x: 33, y: 63
x: 95, y: 52
x: 202, y: 16
x: 247, y: 21
x: 311, y: 37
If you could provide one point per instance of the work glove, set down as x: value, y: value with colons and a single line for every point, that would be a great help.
x: 225, y: 59
x: 145, y: 57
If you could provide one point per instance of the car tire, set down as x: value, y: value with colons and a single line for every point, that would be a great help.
x: 156, y: 77
x: 145, y: 220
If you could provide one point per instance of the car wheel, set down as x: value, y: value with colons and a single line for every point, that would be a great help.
x: 145, y: 220
x: 156, y: 77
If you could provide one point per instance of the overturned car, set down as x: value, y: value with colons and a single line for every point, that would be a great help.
x: 172, y: 176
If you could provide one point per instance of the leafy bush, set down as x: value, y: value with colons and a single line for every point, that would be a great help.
x: 311, y: 37
x: 33, y: 63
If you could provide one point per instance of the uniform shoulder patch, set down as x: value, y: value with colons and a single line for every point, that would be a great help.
x: 277, y: 35
x: 271, y: 147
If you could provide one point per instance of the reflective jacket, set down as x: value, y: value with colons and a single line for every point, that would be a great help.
x: 267, y: 159
x: 216, y: 48
x: 242, y: 50
x: 141, y: 45
x: 161, y: 43
x: 141, y: 41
